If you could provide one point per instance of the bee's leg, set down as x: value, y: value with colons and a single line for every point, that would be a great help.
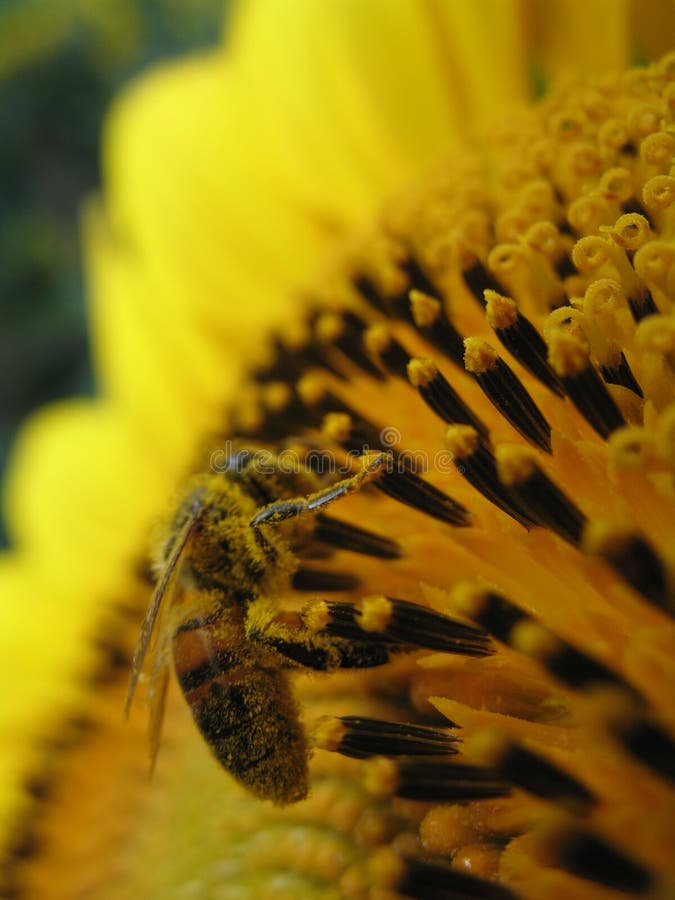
x: 307, y: 647
x: 373, y: 464
x: 338, y: 635
x: 325, y: 654
x: 322, y: 653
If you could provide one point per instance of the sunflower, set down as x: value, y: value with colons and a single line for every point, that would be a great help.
x: 491, y: 317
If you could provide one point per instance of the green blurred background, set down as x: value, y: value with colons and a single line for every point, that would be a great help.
x: 61, y: 61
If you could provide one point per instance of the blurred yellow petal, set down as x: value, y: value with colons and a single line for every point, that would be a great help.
x: 570, y: 36
x: 150, y: 357
x: 652, y: 26
x: 598, y: 37
x: 214, y: 236
x: 82, y: 487
x: 359, y: 95
x: 481, y: 47
x: 45, y: 638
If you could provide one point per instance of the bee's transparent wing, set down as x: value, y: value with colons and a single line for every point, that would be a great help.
x: 164, y: 586
x: 159, y: 683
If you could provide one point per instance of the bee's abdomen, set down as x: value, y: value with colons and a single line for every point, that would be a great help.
x: 246, y: 714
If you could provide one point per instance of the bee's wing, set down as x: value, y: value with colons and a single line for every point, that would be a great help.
x: 159, y: 683
x: 164, y: 586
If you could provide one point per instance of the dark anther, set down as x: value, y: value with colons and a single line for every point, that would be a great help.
x: 478, y: 279
x: 349, y: 537
x: 508, y: 395
x: 319, y: 580
x: 362, y: 737
x: 408, y: 488
x: 621, y: 374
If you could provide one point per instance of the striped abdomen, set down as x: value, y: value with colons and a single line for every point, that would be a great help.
x: 243, y: 707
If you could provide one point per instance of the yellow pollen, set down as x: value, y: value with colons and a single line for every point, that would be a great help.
x: 479, y: 356
x: 485, y: 747
x: 377, y: 339
x: 422, y: 371
x: 386, y: 869
x: 631, y: 447
x: 311, y: 389
x: 445, y: 828
x: 295, y: 334
x: 480, y: 860
x: 327, y: 733
x: 380, y: 777
x: 467, y: 598
x: 461, y: 440
x: 276, y: 396
x: 336, y: 427
x: 375, y: 613
x: 567, y: 354
x: 533, y: 639
x: 611, y: 707
x: 605, y: 538
x: 515, y: 464
x: 329, y: 327
x: 316, y: 616
x: 250, y: 417
x: 425, y: 309
x: 501, y: 312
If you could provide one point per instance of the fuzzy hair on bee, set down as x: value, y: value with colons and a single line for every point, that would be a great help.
x: 228, y: 553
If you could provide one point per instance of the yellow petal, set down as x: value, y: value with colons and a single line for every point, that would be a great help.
x: 482, y: 49
x: 652, y: 26
x: 150, y: 359
x: 358, y: 95
x: 578, y: 36
x: 261, y: 166
x: 43, y: 640
x: 81, y: 490
x: 214, y: 237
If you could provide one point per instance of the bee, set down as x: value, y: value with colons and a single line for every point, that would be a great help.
x: 226, y: 557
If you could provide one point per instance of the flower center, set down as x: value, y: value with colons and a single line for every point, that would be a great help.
x: 508, y: 325
x: 505, y: 332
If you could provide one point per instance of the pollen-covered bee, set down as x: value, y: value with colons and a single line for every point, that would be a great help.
x: 234, y: 547
x: 227, y: 555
